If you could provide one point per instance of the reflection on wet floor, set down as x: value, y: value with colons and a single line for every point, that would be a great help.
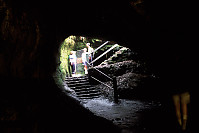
x: 126, y: 114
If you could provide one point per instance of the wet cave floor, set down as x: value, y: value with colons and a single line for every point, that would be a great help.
x: 135, y: 116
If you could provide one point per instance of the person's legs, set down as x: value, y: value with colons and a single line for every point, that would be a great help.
x: 73, y: 69
x: 90, y: 58
x: 185, y: 99
x: 86, y: 68
x: 176, y: 100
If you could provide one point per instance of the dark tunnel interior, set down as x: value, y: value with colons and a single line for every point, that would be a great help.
x: 31, y: 33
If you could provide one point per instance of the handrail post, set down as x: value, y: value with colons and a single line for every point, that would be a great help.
x: 115, y: 90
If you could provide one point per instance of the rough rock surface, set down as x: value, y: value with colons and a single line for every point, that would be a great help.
x: 130, y: 75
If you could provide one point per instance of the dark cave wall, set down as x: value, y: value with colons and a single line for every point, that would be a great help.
x: 26, y: 45
x: 31, y: 33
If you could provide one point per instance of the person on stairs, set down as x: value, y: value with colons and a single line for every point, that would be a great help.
x: 90, y: 52
x: 84, y: 60
x: 72, y: 59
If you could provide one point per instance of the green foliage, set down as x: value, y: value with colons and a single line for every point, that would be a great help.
x: 72, y: 43
x: 59, y: 77
x: 65, y: 50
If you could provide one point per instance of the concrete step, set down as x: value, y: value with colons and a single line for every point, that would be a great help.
x: 84, y: 98
x: 78, y: 84
x: 89, y: 94
x: 82, y: 87
x: 87, y: 91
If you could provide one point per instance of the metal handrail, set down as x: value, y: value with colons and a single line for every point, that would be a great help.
x: 100, y: 46
x: 100, y: 71
x: 101, y: 82
x: 114, y: 81
x: 105, y: 53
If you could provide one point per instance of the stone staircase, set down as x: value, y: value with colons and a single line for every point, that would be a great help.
x: 82, y: 87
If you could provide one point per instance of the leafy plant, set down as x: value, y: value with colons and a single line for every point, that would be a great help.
x: 73, y: 43
x: 65, y: 50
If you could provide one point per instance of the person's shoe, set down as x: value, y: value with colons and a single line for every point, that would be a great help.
x: 86, y: 72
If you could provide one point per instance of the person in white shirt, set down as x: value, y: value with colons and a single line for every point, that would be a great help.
x: 90, y: 52
x: 84, y: 60
x: 73, y: 59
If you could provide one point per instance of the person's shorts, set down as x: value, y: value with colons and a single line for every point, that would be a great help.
x: 85, y: 63
x: 183, y: 98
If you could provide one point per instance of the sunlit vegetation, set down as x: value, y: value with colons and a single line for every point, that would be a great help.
x: 72, y: 43
x: 66, y: 47
x: 76, y: 43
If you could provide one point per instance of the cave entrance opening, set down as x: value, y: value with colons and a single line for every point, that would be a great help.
x: 103, y: 67
x: 79, y: 54
x: 72, y: 59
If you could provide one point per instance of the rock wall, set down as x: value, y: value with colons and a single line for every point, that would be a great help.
x: 134, y: 80
x: 29, y: 55
x: 30, y: 36
x: 25, y: 49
